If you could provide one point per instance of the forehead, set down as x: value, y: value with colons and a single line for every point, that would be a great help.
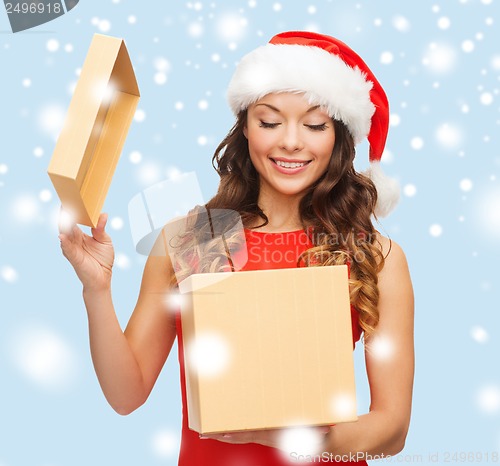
x: 287, y: 101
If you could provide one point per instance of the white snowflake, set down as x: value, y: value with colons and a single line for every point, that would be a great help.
x: 122, y: 261
x: 160, y: 78
x: 116, y: 223
x: 435, y: 230
x: 45, y: 195
x: 25, y: 208
x: 165, y: 443
x: 401, y: 23
x: 444, y: 23
x: 495, y: 62
x: 448, y: 136
x: 386, y: 58
x: 486, y: 98
x: 44, y: 357
x: 104, y: 25
x: 440, y: 58
x: 394, y: 119
x: 231, y: 27
x: 488, y: 399
x: 467, y: 46
x: 209, y: 355
x: 479, y: 334
x: 195, y: 30
x: 135, y: 157
x: 51, y: 119
x: 410, y: 190
x: 140, y: 115
x: 9, y: 274
x: 466, y: 185
x: 52, y: 45
x: 417, y: 143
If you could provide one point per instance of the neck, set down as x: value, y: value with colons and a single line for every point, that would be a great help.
x: 282, y: 212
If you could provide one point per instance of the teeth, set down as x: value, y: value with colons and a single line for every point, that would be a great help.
x: 289, y: 164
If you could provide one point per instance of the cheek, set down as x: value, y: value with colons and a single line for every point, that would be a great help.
x: 259, y: 144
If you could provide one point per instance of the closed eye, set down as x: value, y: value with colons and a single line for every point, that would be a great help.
x: 321, y: 127
x: 265, y: 124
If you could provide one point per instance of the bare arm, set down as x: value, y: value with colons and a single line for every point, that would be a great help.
x: 127, y: 363
x: 389, y: 358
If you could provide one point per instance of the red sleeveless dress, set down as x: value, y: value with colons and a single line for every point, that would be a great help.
x: 265, y: 251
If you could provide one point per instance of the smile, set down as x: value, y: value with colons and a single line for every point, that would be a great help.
x: 289, y: 165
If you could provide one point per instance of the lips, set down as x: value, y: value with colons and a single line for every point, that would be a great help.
x: 289, y: 166
x: 290, y: 163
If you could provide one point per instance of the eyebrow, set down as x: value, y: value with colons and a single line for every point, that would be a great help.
x: 272, y: 107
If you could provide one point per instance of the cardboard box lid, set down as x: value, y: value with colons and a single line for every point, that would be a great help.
x: 275, y: 349
x: 98, y: 118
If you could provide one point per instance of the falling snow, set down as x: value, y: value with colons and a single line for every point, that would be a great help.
x: 417, y: 143
x: 440, y: 58
x: 116, y: 223
x: 488, y: 399
x: 479, y: 334
x: 165, y: 444
x: 9, y: 274
x: 449, y: 136
x: 209, y: 355
x: 135, y: 157
x: 410, y: 190
x: 401, y: 23
x: 43, y: 357
x: 440, y: 66
x: 436, y: 230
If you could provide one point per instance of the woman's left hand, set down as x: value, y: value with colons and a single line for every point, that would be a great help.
x: 270, y: 437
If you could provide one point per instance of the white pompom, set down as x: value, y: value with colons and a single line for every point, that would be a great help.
x: 387, y: 189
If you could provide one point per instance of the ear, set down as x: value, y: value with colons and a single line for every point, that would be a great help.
x: 245, y: 131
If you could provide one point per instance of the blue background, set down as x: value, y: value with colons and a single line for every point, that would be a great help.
x: 439, y: 62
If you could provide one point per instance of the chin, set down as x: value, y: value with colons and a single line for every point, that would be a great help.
x: 292, y: 191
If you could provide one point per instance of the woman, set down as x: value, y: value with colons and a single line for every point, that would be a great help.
x: 302, y: 103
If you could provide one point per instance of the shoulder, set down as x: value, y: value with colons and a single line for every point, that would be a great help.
x: 392, y: 252
x: 394, y: 281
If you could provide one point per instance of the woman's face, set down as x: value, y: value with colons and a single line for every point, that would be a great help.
x: 290, y: 142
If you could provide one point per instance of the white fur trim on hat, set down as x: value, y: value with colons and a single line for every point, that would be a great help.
x: 388, y: 190
x: 324, y: 78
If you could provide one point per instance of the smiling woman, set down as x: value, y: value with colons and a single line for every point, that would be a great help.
x: 301, y: 102
x: 290, y: 143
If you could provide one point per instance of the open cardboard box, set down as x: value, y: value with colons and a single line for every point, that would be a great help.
x: 95, y: 129
x: 268, y: 349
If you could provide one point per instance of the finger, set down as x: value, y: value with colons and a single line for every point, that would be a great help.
x: 67, y: 247
x: 65, y: 222
x: 99, y: 232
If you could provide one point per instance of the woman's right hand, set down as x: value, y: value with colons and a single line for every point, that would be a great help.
x: 92, y: 257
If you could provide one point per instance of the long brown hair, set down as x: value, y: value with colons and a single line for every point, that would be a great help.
x: 339, y: 208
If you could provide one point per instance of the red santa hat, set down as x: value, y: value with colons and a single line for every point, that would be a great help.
x: 330, y: 74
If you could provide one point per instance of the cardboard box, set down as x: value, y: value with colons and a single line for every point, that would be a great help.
x: 268, y: 349
x: 96, y: 125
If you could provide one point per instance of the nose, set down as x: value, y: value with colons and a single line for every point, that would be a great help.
x: 291, y: 139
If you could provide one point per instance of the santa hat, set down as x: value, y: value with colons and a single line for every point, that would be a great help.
x: 330, y: 74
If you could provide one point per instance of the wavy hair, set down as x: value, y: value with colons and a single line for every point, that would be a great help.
x: 336, y: 211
